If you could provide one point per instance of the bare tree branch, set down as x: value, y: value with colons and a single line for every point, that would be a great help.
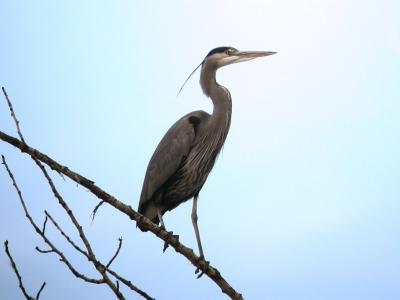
x: 44, y: 225
x: 13, y: 114
x: 113, y: 273
x: 91, y: 255
x: 21, y: 285
x: 145, y: 223
x: 95, y: 210
x: 43, y: 251
x: 44, y: 237
x: 77, y: 248
x: 116, y: 253
x: 40, y: 291
x: 62, y: 257
x: 173, y: 241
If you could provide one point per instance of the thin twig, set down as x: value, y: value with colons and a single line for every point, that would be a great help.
x: 96, y: 208
x: 43, y: 251
x: 116, y: 253
x: 113, y: 273
x: 91, y: 255
x: 212, y: 272
x: 145, y: 223
x: 13, y: 114
x: 77, y: 248
x: 61, y: 175
x: 90, y: 252
x: 21, y: 285
x: 40, y: 290
x: 44, y: 225
x: 129, y: 284
x: 44, y: 237
x: 60, y: 254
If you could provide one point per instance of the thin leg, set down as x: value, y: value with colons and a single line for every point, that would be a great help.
x: 160, y: 218
x: 196, y: 228
x: 163, y: 227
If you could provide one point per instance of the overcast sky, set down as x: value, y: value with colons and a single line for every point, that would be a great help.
x: 303, y: 203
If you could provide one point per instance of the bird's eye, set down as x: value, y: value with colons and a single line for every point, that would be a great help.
x: 229, y: 51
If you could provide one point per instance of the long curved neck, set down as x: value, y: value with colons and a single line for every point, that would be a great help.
x: 219, y: 122
x: 219, y: 95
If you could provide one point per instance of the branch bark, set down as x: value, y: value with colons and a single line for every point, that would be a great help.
x: 52, y: 247
x: 90, y: 253
x: 100, y: 267
x: 21, y: 284
x: 167, y: 237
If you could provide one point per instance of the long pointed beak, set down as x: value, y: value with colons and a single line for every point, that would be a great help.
x: 249, y: 55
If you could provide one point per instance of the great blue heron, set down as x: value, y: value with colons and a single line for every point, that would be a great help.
x: 185, y: 156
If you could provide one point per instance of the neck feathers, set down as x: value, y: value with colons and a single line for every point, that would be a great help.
x: 220, y: 120
x: 219, y: 95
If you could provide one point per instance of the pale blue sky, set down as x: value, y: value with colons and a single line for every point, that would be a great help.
x: 303, y: 203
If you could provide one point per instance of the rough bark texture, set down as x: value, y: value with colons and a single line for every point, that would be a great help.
x: 144, y: 222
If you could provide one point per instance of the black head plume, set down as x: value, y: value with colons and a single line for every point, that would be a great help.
x: 213, y: 51
x: 189, y: 78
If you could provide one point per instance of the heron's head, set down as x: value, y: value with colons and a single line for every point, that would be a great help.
x: 223, y: 56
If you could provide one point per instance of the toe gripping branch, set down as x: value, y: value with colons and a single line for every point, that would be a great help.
x: 170, y: 238
x: 203, y: 269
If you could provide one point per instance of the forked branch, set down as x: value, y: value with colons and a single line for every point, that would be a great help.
x: 21, y: 284
x: 145, y: 223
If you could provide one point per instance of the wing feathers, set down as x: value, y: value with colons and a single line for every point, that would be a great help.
x: 168, y: 156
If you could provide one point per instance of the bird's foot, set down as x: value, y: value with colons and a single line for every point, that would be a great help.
x: 165, y: 242
x: 203, y: 269
x: 171, y: 236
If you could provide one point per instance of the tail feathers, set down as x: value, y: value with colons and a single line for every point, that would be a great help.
x: 150, y: 212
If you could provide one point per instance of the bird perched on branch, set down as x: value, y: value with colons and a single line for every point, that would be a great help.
x: 186, y: 154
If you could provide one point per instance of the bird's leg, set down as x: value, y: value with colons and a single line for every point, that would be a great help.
x: 196, y: 230
x: 161, y: 219
x: 163, y: 227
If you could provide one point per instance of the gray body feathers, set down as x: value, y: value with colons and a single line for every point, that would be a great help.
x: 181, y: 163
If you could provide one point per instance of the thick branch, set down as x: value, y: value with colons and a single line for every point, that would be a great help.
x: 89, y: 253
x: 145, y: 223
x: 211, y: 272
